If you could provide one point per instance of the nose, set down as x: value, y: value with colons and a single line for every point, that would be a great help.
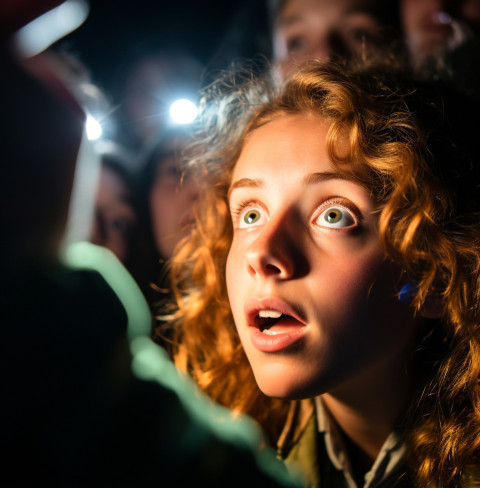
x: 276, y: 252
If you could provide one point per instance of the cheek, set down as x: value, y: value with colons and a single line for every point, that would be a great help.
x: 119, y: 248
x: 368, y: 305
x: 356, y: 284
x: 353, y: 285
x: 235, y: 283
x: 180, y: 202
x: 231, y: 276
x: 160, y: 205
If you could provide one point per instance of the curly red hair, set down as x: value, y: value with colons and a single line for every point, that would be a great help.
x: 415, y: 161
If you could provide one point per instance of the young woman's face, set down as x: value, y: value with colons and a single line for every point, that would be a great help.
x: 312, y: 295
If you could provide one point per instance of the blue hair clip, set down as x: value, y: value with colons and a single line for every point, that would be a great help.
x: 407, y: 293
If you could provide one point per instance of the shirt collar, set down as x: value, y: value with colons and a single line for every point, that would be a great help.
x: 389, y: 459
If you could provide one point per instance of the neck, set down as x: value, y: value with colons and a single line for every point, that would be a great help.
x: 367, y: 408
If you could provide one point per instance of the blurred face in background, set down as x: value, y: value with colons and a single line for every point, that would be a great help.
x: 325, y: 29
x: 172, y: 200
x: 431, y: 26
x: 115, y: 217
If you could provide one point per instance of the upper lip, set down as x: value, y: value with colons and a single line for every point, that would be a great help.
x: 255, y: 304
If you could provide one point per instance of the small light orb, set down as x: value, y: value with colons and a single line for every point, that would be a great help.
x: 93, y: 128
x: 183, y: 111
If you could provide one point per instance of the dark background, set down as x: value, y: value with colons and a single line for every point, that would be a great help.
x: 216, y: 33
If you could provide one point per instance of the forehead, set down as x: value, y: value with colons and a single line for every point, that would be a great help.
x: 291, y: 146
x: 293, y: 10
x: 288, y: 143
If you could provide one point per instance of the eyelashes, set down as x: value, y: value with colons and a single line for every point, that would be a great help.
x: 248, y: 213
x: 338, y: 213
x: 333, y: 213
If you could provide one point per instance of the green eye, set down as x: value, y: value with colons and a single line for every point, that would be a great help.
x: 251, y: 217
x: 333, y: 216
x: 336, y: 217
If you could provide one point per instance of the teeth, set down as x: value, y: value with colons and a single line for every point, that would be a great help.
x: 270, y: 332
x: 269, y: 314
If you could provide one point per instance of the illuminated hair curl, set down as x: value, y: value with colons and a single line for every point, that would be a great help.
x: 422, y: 169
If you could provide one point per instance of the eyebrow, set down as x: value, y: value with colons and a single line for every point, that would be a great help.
x: 310, y: 179
x: 245, y: 183
x: 313, y: 178
x: 295, y: 18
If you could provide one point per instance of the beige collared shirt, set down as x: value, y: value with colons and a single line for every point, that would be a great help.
x: 310, y: 442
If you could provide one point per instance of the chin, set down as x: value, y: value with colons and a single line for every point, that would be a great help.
x: 285, y: 386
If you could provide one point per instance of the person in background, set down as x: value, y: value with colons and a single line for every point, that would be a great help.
x: 115, y: 214
x: 103, y: 208
x: 330, y: 287
x: 172, y: 195
x: 166, y: 212
x: 433, y: 27
x: 150, y: 80
x: 437, y: 38
x: 443, y: 41
x: 340, y: 30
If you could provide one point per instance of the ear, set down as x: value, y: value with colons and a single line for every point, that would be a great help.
x: 433, y: 308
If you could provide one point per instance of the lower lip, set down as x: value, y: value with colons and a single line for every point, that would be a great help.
x: 278, y: 342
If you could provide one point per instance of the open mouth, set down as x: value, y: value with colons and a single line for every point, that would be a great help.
x: 275, y: 326
x: 273, y: 322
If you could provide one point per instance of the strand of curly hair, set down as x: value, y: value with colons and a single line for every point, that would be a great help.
x: 389, y: 152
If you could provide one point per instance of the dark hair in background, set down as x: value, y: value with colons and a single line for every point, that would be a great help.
x: 118, y: 159
x: 147, y: 265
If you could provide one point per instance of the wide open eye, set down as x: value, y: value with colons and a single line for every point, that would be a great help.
x: 336, y: 217
x: 251, y: 217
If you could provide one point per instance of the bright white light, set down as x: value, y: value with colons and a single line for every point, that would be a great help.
x: 42, y: 32
x: 93, y: 128
x: 183, y: 111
